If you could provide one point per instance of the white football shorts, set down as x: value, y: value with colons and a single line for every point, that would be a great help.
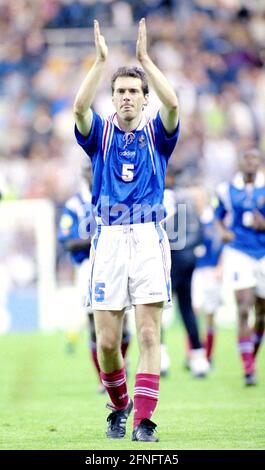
x: 130, y: 265
x: 206, y: 290
x: 244, y: 271
x: 83, y: 273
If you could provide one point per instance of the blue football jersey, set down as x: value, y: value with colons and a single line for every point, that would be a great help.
x: 238, y: 200
x: 128, y: 169
x: 77, y: 222
x: 208, y: 253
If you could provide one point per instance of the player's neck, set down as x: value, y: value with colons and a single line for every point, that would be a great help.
x: 128, y: 126
x: 249, y: 178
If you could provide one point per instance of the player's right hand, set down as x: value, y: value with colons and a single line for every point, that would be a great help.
x: 101, y: 47
x: 141, y: 44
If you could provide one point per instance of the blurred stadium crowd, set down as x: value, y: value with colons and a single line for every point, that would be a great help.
x: 213, y: 51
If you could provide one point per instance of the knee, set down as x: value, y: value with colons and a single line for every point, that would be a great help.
x: 148, y: 337
x: 108, y: 344
x: 243, y: 311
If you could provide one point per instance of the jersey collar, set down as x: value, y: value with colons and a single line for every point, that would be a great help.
x: 113, y: 118
x: 239, y: 182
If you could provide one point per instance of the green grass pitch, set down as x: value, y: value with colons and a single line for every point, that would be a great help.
x: 48, y: 398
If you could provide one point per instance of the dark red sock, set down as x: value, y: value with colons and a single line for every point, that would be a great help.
x: 145, y: 396
x: 246, y: 350
x: 116, y: 386
x: 209, y: 343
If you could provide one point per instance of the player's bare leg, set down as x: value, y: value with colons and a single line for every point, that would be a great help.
x: 258, y: 329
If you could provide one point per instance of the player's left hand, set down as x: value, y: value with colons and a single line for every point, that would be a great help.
x: 259, y: 221
x: 141, y: 44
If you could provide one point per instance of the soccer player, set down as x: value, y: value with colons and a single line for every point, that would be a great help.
x: 182, y: 267
x: 130, y: 253
x: 76, y: 226
x: 243, y: 202
x: 207, y: 276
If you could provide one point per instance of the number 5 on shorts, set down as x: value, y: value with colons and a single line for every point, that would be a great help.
x: 99, y: 291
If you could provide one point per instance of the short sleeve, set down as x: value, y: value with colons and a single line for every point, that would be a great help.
x: 93, y: 142
x: 163, y: 141
x: 221, y: 201
x: 68, y: 226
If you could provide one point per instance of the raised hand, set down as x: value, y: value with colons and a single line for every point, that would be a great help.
x: 141, y: 44
x: 101, y: 47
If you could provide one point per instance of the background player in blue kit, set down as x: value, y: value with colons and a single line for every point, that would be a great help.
x: 207, y: 276
x: 182, y: 268
x: 130, y: 259
x: 76, y: 223
x: 243, y: 202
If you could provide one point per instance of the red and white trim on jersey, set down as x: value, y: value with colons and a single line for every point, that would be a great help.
x: 146, y: 125
x: 150, y: 134
x: 107, y: 136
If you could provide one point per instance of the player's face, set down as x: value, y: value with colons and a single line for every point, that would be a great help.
x: 250, y: 163
x: 128, y: 97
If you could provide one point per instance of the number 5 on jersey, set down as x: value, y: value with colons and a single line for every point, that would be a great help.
x: 127, y: 172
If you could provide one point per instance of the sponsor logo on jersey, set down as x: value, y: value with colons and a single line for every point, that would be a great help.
x: 127, y: 153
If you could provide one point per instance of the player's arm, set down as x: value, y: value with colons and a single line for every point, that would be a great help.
x: 165, y: 92
x: 220, y: 212
x: 85, y: 95
x: 226, y: 235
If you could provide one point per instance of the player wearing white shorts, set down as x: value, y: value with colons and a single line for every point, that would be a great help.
x: 130, y: 262
x: 75, y: 225
x: 243, y: 202
x: 207, y: 276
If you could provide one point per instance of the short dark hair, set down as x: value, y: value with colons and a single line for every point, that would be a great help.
x: 134, y: 72
x: 250, y: 151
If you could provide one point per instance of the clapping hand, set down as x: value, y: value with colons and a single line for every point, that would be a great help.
x: 101, y: 47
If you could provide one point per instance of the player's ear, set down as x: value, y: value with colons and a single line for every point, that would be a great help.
x: 146, y: 100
